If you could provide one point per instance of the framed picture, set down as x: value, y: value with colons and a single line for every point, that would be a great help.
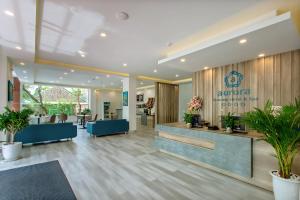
x: 10, y: 91
x: 125, y: 98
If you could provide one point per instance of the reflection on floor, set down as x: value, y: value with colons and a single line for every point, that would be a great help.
x: 128, y: 167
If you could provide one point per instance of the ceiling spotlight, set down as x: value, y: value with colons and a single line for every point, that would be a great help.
x: 182, y: 60
x: 124, y: 65
x: 72, y: 70
x: 21, y: 63
x: 205, y: 68
x: 261, y: 55
x: 107, y: 76
x: 18, y: 48
x: 122, y: 16
x: 243, y: 41
x: 97, y: 77
x: 61, y: 78
x: 142, y: 83
x: 177, y: 75
x: 103, y: 34
x: 9, y: 13
x: 66, y: 73
x: 155, y: 70
x: 82, y: 55
x: 24, y: 71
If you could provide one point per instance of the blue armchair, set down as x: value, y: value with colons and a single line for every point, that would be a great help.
x: 107, y: 127
x: 37, y: 133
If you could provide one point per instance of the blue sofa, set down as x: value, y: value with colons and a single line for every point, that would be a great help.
x: 107, y: 127
x: 37, y: 133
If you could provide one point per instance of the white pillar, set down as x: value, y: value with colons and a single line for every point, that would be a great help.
x: 129, y: 111
x: 3, y: 80
x: 93, y: 100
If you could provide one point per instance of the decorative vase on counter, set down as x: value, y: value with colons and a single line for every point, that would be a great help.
x: 196, y: 120
x: 228, y: 130
x: 188, y: 125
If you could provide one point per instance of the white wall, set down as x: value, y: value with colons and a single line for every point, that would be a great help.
x: 3, y: 80
x: 98, y: 97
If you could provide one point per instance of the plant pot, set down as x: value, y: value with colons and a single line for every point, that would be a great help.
x: 285, y: 188
x: 228, y: 130
x: 189, y: 125
x: 12, y: 151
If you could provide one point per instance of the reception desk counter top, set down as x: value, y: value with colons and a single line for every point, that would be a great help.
x: 251, y: 134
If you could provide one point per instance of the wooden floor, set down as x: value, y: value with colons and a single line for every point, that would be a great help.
x: 128, y: 167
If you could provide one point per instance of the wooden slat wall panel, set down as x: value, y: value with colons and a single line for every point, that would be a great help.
x: 275, y: 77
x: 167, y: 103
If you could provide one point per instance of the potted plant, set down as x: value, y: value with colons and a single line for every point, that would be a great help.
x: 194, y: 107
x: 281, y: 129
x: 11, y: 122
x: 229, y: 122
x: 86, y: 111
x: 188, y: 119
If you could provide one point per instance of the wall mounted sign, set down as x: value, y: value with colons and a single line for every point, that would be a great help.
x: 234, y: 95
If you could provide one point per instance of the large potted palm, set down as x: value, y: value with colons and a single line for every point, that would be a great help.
x: 11, y: 122
x: 281, y: 128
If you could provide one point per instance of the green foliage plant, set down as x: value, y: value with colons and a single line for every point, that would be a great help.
x: 229, y: 120
x: 188, y: 118
x: 12, y: 122
x: 281, y: 129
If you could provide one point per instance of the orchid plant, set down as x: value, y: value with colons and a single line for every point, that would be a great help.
x: 196, y: 104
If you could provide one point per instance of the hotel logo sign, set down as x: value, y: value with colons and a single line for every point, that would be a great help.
x: 233, y: 79
x: 234, y: 95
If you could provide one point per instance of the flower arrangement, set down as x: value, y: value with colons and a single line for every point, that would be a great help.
x: 195, y: 104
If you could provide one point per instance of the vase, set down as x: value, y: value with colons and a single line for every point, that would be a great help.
x: 12, y: 151
x: 285, y: 188
x: 228, y: 130
x: 196, y: 120
x: 188, y: 125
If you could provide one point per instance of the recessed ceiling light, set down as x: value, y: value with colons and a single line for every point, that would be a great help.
x: 177, y: 75
x: 142, y: 83
x: 97, y: 77
x: 82, y: 55
x: 261, y: 55
x: 24, y: 71
x: 88, y: 81
x: 103, y: 34
x: 107, y: 76
x: 66, y: 73
x: 9, y: 13
x: 124, y: 65
x: 21, y: 63
x: 243, y: 41
x: 18, y: 48
x: 205, y: 68
x: 182, y: 60
x: 121, y: 80
x: 155, y: 70
x: 60, y: 77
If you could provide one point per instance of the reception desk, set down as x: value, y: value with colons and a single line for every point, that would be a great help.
x: 242, y: 156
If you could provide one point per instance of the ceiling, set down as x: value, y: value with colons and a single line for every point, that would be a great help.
x: 37, y: 74
x: 153, y: 28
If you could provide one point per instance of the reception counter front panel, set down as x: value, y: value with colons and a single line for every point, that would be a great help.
x: 232, y: 153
